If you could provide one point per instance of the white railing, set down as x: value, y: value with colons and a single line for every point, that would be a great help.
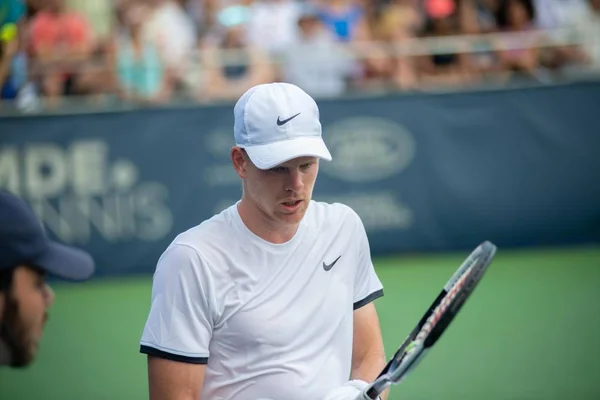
x: 423, y: 46
x: 464, y: 43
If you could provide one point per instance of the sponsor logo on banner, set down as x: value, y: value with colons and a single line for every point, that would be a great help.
x: 367, y: 149
x: 79, y: 191
x: 379, y: 210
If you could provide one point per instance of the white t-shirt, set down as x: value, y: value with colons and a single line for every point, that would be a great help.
x: 270, y: 321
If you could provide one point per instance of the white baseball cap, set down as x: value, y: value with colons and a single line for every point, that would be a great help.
x: 277, y: 122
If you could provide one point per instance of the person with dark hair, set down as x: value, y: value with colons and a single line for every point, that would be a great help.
x: 27, y: 256
x: 519, y: 51
x: 453, y: 67
x: 515, y: 14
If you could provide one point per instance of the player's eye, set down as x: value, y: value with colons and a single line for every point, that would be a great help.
x: 278, y: 170
x: 306, y: 166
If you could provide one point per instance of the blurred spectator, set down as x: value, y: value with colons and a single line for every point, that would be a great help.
x: 139, y: 71
x: 315, y: 61
x: 98, y: 13
x: 518, y: 54
x: 149, y: 51
x: 583, y: 24
x: 9, y: 45
x: 345, y: 18
x: 552, y: 14
x: 11, y: 11
x: 478, y: 17
x: 351, y: 22
x: 171, y: 29
x: 272, y: 24
x: 590, y: 23
x: 61, y: 44
x: 203, y: 13
x: 450, y: 65
x: 400, y: 22
x: 13, y: 60
x: 486, y: 11
x: 399, y: 19
x: 230, y: 64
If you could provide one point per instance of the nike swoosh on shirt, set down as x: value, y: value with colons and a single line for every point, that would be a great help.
x: 327, y: 267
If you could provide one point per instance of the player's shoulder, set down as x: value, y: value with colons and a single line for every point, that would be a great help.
x: 198, y: 252
x: 212, y: 233
x: 335, y: 212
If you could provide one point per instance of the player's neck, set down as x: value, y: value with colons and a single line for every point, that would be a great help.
x: 264, y: 227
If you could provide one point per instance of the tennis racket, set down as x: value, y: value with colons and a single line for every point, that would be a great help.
x: 434, y: 322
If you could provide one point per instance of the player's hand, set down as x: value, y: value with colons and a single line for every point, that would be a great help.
x: 348, y: 391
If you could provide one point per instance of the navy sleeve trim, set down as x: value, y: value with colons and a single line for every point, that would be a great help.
x: 373, y: 296
x: 173, y: 357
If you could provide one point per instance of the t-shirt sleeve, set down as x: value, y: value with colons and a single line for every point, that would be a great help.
x: 367, y: 286
x: 183, y: 310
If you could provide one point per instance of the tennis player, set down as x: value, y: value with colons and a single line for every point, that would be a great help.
x: 273, y: 297
x: 26, y: 257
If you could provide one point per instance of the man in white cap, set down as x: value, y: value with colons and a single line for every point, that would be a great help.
x: 273, y: 297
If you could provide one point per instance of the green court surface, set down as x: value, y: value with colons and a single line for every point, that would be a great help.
x: 530, y: 331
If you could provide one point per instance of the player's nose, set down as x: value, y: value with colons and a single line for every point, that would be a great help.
x: 295, y: 181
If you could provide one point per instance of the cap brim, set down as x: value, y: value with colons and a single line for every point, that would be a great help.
x: 270, y: 155
x: 66, y: 262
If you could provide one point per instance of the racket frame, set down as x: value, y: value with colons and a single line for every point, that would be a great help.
x: 434, y: 322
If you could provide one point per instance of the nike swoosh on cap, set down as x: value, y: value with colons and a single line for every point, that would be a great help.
x: 285, y: 121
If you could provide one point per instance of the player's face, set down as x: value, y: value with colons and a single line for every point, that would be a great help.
x: 24, y: 314
x: 284, y: 192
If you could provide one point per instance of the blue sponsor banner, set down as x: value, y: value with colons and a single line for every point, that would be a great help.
x: 425, y: 172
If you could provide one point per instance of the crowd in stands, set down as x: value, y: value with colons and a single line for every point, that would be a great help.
x: 155, y: 51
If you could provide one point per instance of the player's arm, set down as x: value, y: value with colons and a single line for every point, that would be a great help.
x: 174, y: 380
x: 368, y: 355
x: 178, y: 331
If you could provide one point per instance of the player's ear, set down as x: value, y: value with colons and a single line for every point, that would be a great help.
x: 240, y: 161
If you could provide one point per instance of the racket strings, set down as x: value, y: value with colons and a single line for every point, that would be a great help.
x: 444, y: 304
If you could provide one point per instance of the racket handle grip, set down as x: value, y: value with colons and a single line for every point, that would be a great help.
x: 364, y: 394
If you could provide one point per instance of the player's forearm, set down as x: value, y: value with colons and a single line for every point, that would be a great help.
x: 368, y: 366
